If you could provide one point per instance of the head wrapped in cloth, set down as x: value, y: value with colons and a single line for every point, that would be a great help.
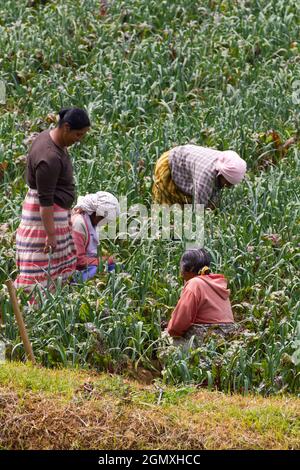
x: 102, y: 203
x: 231, y: 166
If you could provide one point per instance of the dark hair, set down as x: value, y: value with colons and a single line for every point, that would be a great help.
x: 77, y: 118
x: 193, y: 260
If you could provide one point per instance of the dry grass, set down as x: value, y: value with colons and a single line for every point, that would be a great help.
x: 87, y: 411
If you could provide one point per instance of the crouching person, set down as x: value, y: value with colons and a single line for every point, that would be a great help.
x: 204, y: 305
x: 91, y: 211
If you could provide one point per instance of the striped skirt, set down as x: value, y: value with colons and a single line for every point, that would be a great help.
x: 164, y: 190
x: 37, y: 267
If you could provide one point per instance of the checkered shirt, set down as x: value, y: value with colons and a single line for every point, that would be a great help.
x: 193, y: 170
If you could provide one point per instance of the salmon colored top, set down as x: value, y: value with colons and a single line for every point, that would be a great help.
x: 204, y: 299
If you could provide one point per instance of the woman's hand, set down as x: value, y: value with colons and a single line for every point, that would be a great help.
x: 78, y: 210
x: 50, y: 244
x: 48, y: 221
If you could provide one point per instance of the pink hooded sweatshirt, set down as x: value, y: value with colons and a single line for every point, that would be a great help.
x: 204, y: 299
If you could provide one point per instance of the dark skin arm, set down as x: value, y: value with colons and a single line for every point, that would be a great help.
x: 48, y: 221
x: 221, y: 183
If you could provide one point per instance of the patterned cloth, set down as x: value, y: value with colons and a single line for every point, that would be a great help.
x: 205, y: 330
x: 193, y: 170
x: 36, y: 267
x: 199, y: 334
x: 164, y: 190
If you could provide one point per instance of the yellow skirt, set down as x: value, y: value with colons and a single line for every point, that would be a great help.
x: 164, y: 190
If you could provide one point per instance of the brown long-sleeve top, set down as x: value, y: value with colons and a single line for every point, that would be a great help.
x: 50, y: 171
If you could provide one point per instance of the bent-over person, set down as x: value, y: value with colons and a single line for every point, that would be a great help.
x: 191, y: 173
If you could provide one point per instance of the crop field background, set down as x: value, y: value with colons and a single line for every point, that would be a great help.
x: 153, y: 75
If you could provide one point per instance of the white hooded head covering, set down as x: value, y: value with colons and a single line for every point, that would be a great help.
x: 103, y: 203
x: 231, y: 166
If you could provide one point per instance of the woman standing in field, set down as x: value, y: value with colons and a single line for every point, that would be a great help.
x: 44, y: 243
x: 190, y: 173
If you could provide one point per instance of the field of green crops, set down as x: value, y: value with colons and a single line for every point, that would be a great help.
x: 152, y: 75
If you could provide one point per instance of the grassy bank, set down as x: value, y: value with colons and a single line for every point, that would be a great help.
x: 63, y: 409
x: 218, y: 74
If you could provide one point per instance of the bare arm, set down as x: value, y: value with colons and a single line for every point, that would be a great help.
x: 48, y: 221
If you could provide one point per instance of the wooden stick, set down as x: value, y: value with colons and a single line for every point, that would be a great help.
x: 20, y: 321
